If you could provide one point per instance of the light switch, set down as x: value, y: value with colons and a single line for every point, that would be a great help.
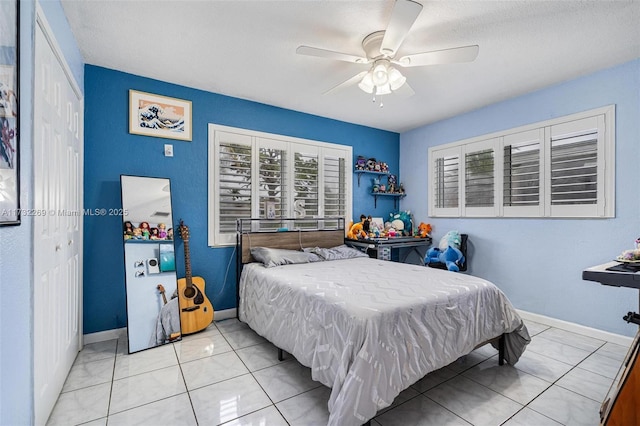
x: 168, y: 150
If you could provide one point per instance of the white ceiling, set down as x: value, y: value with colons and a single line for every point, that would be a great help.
x: 247, y: 49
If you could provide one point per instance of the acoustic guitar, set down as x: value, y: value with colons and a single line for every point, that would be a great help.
x: 172, y: 336
x: 623, y: 409
x: 196, y: 311
x: 160, y: 288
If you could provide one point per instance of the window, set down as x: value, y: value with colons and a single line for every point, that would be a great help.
x: 559, y: 168
x: 259, y: 175
x: 445, y: 189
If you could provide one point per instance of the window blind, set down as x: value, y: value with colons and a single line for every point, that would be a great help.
x: 234, y: 184
x: 521, y: 181
x: 574, y: 169
x: 479, y: 180
x: 446, y: 181
x: 334, y: 181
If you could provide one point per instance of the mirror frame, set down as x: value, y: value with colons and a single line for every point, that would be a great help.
x: 142, y: 263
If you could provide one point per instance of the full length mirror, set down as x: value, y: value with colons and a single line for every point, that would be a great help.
x: 153, y: 316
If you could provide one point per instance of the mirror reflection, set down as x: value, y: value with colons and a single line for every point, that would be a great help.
x: 153, y: 317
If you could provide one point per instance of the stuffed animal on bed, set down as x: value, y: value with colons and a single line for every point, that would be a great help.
x: 451, y: 257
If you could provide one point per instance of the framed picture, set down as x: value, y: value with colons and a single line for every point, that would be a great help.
x: 9, y: 119
x: 159, y: 116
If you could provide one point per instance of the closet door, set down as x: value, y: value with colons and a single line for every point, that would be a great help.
x: 57, y: 234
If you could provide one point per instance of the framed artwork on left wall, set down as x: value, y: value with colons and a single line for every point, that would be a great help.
x: 9, y: 119
x: 159, y: 116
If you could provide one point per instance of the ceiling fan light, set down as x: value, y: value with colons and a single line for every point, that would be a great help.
x: 396, y: 79
x: 366, y: 84
x: 380, y: 74
x: 385, y: 89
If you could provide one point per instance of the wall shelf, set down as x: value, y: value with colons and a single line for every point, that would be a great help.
x: 395, y: 195
x: 361, y: 172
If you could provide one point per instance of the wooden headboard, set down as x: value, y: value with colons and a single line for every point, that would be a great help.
x: 292, y: 240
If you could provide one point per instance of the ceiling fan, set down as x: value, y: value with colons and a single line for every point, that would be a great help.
x: 380, y: 50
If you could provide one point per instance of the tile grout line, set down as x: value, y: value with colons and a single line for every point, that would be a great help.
x: 186, y: 388
x: 254, y: 378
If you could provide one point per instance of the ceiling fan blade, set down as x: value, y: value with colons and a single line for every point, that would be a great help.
x: 330, y: 54
x: 405, y: 13
x: 404, y: 91
x: 350, y: 82
x: 445, y: 56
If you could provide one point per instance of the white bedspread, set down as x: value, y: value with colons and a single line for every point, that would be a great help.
x: 369, y: 329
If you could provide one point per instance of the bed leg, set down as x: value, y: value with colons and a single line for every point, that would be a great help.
x: 501, y: 350
x: 280, y: 355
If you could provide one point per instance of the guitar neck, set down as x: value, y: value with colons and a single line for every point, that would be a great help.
x: 187, y: 264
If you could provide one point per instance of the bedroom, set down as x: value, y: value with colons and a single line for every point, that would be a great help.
x: 551, y: 286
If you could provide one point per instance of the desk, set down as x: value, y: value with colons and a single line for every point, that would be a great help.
x: 384, y: 246
x: 630, y: 278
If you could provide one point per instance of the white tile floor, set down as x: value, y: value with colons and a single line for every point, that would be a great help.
x: 229, y: 375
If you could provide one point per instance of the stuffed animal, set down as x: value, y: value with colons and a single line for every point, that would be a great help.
x: 451, y: 257
x: 450, y: 239
x: 406, y: 219
x: 424, y: 229
x: 356, y: 231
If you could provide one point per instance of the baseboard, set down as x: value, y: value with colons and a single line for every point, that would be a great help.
x: 102, y: 336
x: 577, y: 328
x: 226, y: 314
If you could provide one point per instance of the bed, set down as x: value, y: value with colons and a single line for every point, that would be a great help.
x: 367, y: 328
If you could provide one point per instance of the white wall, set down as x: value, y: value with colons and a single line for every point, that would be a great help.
x: 16, y: 281
x: 538, y: 262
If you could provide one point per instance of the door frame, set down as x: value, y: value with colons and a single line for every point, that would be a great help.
x: 49, y: 35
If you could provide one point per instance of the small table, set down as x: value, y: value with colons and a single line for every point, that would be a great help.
x: 383, y: 246
x: 622, y: 276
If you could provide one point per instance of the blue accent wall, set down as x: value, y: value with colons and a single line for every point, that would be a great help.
x: 111, y: 151
x: 539, y: 262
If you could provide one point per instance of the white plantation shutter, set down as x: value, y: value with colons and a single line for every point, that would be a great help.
x: 576, y: 168
x: 272, y: 184
x: 523, y: 165
x: 334, y: 184
x: 564, y: 167
x: 479, y: 178
x: 249, y: 171
x: 234, y: 178
x: 305, y: 180
x: 445, y: 181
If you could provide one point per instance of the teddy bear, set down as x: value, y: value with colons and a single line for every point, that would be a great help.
x: 424, y: 229
x: 356, y: 231
x: 451, y: 257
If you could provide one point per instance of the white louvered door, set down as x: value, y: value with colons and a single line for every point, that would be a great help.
x: 57, y: 226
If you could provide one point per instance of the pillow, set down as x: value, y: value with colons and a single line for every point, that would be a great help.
x: 276, y: 257
x: 338, y: 252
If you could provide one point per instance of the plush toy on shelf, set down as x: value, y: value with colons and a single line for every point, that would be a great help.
x: 162, y: 231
